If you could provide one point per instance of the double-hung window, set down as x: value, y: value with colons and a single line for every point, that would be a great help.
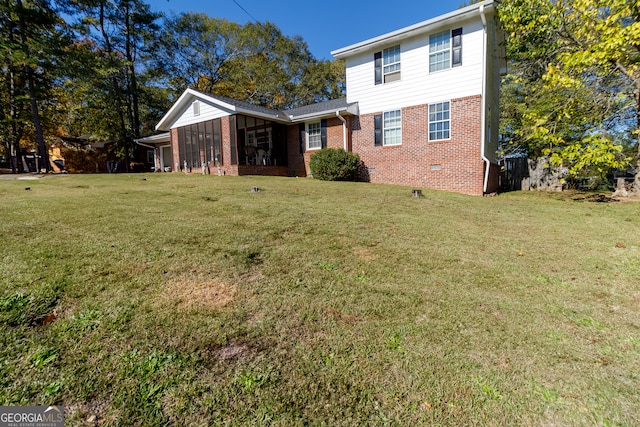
x: 314, y: 136
x: 391, y: 64
x: 439, y: 121
x: 387, y: 65
x: 392, y: 127
x: 445, y: 50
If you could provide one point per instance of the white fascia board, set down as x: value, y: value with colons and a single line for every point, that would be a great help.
x: 423, y: 27
x: 165, y: 123
x: 166, y: 119
x: 155, y: 139
x: 350, y: 109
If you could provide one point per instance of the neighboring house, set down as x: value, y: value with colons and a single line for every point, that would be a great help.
x: 422, y: 110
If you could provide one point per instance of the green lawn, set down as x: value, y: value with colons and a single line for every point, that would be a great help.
x: 191, y: 300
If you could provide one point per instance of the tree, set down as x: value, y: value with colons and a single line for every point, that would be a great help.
x: 193, y: 50
x: 552, y: 107
x: 113, y: 41
x: 603, y: 37
x: 254, y: 63
x: 31, y: 40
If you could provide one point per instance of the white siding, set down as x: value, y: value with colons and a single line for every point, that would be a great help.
x: 417, y: 86
x: 207, y: 112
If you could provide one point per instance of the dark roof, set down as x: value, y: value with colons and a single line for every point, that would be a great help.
x: 320, y: 107
x: 244, y: 105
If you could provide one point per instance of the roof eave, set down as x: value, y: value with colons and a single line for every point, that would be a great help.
x: 155, y: 139
x: 165, y: 122
x: 349, y: 109
x: 414, y: 30
x: 278, y: 117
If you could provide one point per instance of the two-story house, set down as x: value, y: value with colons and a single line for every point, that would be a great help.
x: 421, y: 109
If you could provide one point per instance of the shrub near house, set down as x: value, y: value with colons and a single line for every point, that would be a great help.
x: 334, y: 164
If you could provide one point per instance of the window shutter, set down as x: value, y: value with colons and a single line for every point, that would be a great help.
x: 377, y: 124
x: 323, y: 133
x: 303, y: 136
x: 377, y: 61
x: 456, y: 47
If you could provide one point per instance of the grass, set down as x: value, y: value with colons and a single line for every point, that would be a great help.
x: 191, y: 300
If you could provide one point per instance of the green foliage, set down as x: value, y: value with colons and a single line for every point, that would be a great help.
x: 32, y: 43
x: 254, y: 62
x: 334, y: 164
x: 570, y: 91
x: 595, y: 154
x: 109, y: 71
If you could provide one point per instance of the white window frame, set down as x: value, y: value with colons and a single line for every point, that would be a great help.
x: 439, y: 117
x: 435, y: 50
x: 387, y: 129
x: 391, y: 69
x: 316, y: 136
x: 196, y: 108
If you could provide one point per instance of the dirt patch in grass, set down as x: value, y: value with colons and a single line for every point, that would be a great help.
x: 198, y: 293
x: 90, y: 413
x: 346, y: 318
x: 365, y: 254
x: 233, y: 350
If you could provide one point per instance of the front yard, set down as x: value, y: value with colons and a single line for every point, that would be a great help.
x: 192, y: 300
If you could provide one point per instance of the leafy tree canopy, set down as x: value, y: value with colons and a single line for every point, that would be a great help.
x: 254, y: 63
x: 573, y: 87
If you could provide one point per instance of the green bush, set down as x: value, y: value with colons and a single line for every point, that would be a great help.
x: 331, y: 164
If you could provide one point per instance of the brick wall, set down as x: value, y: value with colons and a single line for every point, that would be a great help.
x: 295, y: 160
x: 299, y: 163
x: 225, y: 129
x: 262, y: 170
x: 175, y: 154
x: 452, y: 165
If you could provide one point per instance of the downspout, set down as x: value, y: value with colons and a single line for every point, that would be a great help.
x: 483, y: 113
x: 155, y: 152
x: 344, y: 130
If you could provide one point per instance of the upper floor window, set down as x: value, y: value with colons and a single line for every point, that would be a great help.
x: 445, y: 50
x: 314, y: 136
x: 387, y: 65
x: 391, y: 64
x: 196, y: 108
x: 439, y: 121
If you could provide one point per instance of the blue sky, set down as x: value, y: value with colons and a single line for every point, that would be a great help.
x: 325, y: 26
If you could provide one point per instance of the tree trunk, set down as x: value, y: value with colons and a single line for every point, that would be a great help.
x: 14, y: 138
x: 43, y: 153
x: 42, y: 148
x: 635, y: 190
x: 35, y: 114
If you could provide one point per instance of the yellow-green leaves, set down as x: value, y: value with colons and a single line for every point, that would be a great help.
x: 575, y: 80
